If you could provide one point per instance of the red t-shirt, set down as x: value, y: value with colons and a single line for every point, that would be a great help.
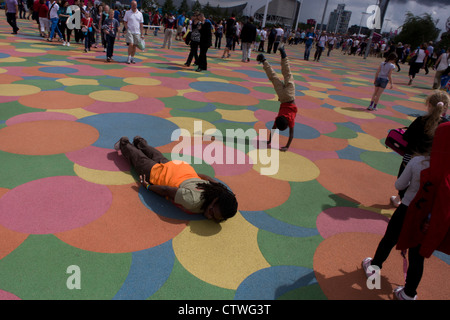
x: 87, y: 22
x: 289, y: 111
x: 43, y: 11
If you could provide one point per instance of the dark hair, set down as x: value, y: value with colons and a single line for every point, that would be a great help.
x: 391, y: 56
x: 281, y: 122
x: 226, y: 200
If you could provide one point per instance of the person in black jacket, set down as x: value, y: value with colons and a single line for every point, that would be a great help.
x: 420, y: 132
x: 248, y: 37
x: 205, y: 42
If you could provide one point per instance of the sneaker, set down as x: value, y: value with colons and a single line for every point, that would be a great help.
x: 374, y: 109
x: 260, y: 58
x: 122, y: 140
x: 400, y: 294
x: 132, y: 61
x: 68, y: 44
x: 138, y: 139
x: 64, y: 43
x: 366, y: 263
x: 370, y: 108
x: 395, y: 200
x: 128, y: 61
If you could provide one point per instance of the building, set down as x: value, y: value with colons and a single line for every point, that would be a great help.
x: 339, y: 20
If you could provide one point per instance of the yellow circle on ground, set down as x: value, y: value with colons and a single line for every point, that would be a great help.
x: 287, y: 166
x: 77, y: 112
x: 367, y: 142
x: 12, y: 90
x: 3, y: 70
x: 57, y: 63
x: 358, y: 113
x: 11, y: 59
x: 78, y: 82
x: 220, y: 254
x: 103, y: 177
x: 238, y: 115
x: 192, y: 126
x: 142, y: 81
x: 31, y: 50
x: 113, y: 96
x: 315, y: 94
x: 359, y: 79
x: 321, y: 85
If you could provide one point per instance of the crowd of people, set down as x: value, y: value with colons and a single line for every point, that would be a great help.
x: 101, y: 25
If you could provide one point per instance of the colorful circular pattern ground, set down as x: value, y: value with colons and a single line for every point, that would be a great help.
x: 306, y: 218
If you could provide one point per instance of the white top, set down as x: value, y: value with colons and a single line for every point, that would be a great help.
x: 280, y: 32
x: 322, y: 40
x: 54, y: 12
x: 133, y: 20
x: 410, y: 178
x: 385, y: 68
x: 420, y: 55
x: 444, y: 63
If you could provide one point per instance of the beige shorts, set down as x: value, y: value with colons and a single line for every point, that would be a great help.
x: 132, y: 38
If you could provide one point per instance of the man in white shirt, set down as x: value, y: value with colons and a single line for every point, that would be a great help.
x: 54, y: 19
x: 134, y: 25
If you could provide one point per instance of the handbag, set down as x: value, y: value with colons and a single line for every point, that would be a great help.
x: 395, y: 141
x: 413, y: 59
x: 141, y: 44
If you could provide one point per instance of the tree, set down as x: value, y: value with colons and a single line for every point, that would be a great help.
x: 417, y: 30
x: 184, y: 7
x: 168, y: 7
x: 196, y: 6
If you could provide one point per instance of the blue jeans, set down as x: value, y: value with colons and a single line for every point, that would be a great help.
x: 54, y: 22
x: 307, y: 51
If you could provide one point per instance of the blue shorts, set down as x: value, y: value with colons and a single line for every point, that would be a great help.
x: 382, y: 83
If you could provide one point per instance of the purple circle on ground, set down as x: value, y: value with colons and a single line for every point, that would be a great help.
x: 346, y: 219
x: 39, y: 116
x: 53, y: 204
x: 99, y: 159
x: 4, y: 295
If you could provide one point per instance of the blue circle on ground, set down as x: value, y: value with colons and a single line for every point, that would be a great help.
x: 4, y: 55
x: 211, y: 86
x: 276, y: 281
x: 321, y: 78
x: 340, y: 98
x: 112, y: 126
x: 253, y: 74
x: 59, y: 70
x: 409, y: 111
x: 301, y: 131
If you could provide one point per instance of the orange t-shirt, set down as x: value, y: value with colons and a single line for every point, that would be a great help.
x: 172, y: 173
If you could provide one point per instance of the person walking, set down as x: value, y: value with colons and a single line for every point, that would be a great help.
x: 12, y: 14
x: 111, y: 29
x: 195, y: 41
x: 383, y: 76
x: 442, y: 63
x: 205, y: 42
x: 248, y: 37
x: 230, y: 31
x: 64, y: 13
x: 419, y: 60
x: 169, y: 23
x: 321, y: 42
x: 134, y: 25
x: 54, y: 20
x: 309, y: 39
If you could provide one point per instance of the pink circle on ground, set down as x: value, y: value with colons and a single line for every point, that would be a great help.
x: 4, y: 295
x: 141, y: 105
x: 38, y: 116
x: 53, y: 204
x: 346, y: 219
x: 196, y: 96
x: 99, y: 159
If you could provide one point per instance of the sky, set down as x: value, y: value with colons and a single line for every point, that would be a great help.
x: 395, y: 14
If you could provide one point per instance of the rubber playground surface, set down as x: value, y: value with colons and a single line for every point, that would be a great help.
x: 69, y: 201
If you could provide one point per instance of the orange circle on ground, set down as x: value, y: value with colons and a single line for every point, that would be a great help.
x: 120, y: 73
x: 323, y: 114
x: 337, y: 266
x: 56, y: 100
x: 254, y: 195
x: 322, y: 143
x: 10, y: 240
x: 127, y: 226
x: 231, y: 98
x: 47, y: 137
x: 356, y: 181
x: 150, y: 91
